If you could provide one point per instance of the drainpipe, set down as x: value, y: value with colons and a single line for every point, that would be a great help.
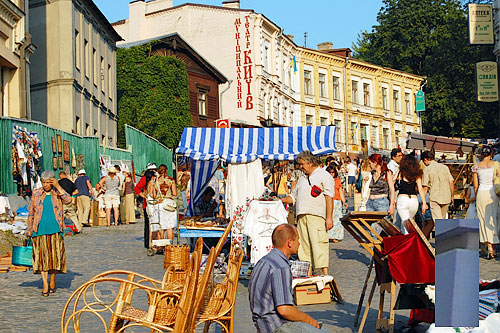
x: 345, y: 108
x: 220, y: 98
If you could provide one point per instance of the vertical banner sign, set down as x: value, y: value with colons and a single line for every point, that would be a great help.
x: 487, y: 82
x: 244, y: 63
x: 480, y: 24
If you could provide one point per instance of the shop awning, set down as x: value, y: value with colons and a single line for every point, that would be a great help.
x: 242, y: 145
x: 438, y: 143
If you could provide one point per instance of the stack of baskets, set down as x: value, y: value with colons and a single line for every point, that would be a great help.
x: 177, y: 256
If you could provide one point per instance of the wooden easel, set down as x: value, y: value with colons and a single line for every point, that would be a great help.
x: 359, y: 225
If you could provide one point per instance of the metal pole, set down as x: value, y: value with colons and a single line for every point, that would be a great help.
x: 345, y: 108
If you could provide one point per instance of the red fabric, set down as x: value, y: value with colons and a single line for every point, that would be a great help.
x: 421, y: 315
x: 409, y: 260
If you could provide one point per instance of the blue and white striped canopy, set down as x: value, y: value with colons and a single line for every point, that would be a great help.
x: 242, y: 145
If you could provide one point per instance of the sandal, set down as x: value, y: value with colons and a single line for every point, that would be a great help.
x: 45, y: 293
x: 52, y: 290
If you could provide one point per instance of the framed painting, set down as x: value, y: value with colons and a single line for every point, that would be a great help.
x: 61, y: 163
x: 66, y: 152
x: 59, y: 144
x: 54, y: 148
x: 54, y: 161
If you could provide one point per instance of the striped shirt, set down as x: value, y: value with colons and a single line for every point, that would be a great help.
x: 270, y: 286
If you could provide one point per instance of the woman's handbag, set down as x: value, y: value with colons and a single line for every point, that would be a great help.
x: 496, y: 178
x: 23, y: 255
x: 169, y: 205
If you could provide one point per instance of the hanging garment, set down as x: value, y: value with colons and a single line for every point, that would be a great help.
x: 260, y: 220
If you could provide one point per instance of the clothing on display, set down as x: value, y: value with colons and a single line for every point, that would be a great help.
x: 26, y: 154
x: 260, y: 220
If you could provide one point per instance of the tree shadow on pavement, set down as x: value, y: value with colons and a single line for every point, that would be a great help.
x: 352, y: 255
x: 63, y: 281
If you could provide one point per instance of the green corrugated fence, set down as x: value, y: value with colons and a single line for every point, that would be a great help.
x: 142, y: 150
x: 150, y: 150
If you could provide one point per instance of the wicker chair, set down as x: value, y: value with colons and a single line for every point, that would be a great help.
x: 218, y: 302
x: 169, y: 307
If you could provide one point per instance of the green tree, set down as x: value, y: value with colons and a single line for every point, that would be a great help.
x: 153, y: 94
x: 430, y: 38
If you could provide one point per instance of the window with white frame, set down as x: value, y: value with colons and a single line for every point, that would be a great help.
x: 354, y: 91
x: 265, y: 57
x: 202, y: 102
x: 395, y: 98
x: 338, y: 130
x: 385, y: 138
x: 354, y: 133
x: 307, y: 83
x: 289, y: 73
x: 309, y: 120
x: 322, y: 85
x: 323, y: 121
x: 385, y: 101
x: 336, y: 88
x: 375, y: 136
x: 366, y: 94
x: 407, y: 103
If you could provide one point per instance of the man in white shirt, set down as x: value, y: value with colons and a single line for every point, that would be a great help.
x: 352, y: 172
x: 313, y: 199
x: 393, y: 165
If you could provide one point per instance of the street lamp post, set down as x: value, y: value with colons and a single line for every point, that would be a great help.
x: 452, y: 125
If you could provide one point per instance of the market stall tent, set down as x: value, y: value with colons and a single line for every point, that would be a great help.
x: 207, y: 147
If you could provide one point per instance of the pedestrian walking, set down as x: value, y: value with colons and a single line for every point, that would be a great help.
x: 437, y: 180
x: 366, y: 175
x: 313, y: 197
x: 168, y: 190
x: 83, y: 197
x: 69, y: 209
x: 270, y: 288
x: 336, y: 233
x: 352, y: 172
x: 128, y: 193
x: 487, y: 200
x: 111, y: 183
x: 46, y: 226
x: 382, y: 197
x: 141, y: 190
x: 409, y: 179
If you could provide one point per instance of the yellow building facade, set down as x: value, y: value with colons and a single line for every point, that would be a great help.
x: 374, y: 105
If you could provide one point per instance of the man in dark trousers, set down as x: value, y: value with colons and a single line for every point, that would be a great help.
x: 140, y: 190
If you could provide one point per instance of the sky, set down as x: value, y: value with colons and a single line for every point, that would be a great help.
x: 337, y: 21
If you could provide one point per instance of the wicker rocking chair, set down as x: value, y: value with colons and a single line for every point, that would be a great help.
x: 219, y: 299
x: 169, y: 307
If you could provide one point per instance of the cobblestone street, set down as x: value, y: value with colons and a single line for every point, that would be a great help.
x: 98, y: 249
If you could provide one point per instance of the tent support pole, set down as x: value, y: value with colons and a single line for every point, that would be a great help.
x: 177, y: 207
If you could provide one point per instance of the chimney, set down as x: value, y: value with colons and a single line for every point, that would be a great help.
x: 156, y: 5
x: 235, y: 4
x: 291, y: 37
x: 325, y: 46
x: 136, y: 19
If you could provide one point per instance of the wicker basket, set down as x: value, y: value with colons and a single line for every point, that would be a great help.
x: 166, y: 310
x: 177, y: 256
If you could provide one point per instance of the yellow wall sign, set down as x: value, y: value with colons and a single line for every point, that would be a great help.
x: 480, y: 24
x: 487, y: 81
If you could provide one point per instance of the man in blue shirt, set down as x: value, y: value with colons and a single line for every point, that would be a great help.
x: 270, y: 288
x: 84, y: 188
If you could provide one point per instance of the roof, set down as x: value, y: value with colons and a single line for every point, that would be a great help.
x: 104, y: 20
x: 174, y: 41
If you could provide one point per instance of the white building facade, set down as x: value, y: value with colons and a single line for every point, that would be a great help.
x: 249, y: 49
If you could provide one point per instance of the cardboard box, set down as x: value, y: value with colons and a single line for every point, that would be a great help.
x: 94, y: 212
x: 307, y: 294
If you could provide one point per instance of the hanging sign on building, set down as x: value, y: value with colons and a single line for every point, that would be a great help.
x: 487, y: 81
x: 420, y: 101
x: 244, y: 64
x: 480, y: 24
x: 222, y: 123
